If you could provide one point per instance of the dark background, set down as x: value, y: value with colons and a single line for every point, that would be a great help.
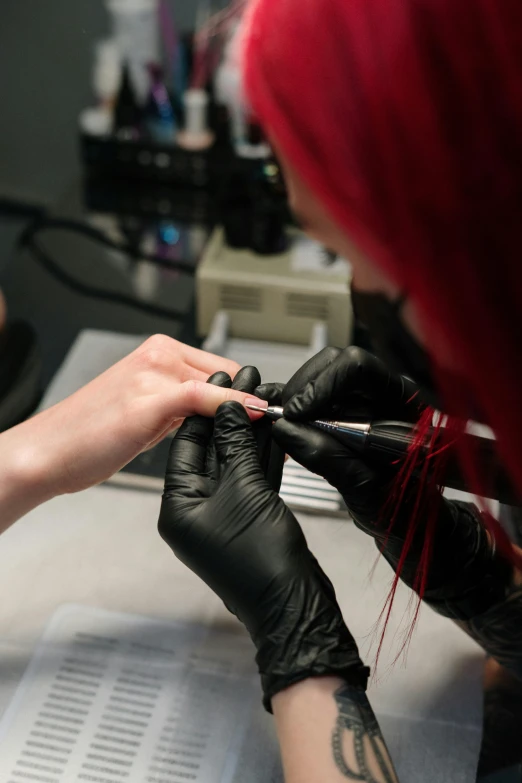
x: 46, y: 55
x: 46, y: 60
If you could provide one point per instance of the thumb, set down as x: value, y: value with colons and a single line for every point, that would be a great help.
x: 234, y: 440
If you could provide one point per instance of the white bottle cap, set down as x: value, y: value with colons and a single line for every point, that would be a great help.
x: 96, y: 122
x: 196, y: 135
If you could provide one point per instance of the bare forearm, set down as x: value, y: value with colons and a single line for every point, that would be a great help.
x: 24, y: 480
x: 328, y: 733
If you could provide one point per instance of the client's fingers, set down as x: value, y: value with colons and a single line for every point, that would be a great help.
x: 194, y: 397
x: 206, y: 362
x: 218, y: 379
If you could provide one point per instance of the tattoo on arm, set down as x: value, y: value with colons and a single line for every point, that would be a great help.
x: 358, y: 747
x: 499, y: 632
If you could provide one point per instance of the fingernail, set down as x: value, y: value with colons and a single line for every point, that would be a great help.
x: 256, y: 401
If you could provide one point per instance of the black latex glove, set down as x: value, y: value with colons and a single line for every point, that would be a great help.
x: 337, y: 384
x: 464, y: 574
x: 270, y: 454
x: 235, y: 533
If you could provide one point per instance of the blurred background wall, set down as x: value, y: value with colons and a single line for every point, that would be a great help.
x: 46, y: 60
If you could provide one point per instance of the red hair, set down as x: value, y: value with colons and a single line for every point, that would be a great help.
x: 405, y: 118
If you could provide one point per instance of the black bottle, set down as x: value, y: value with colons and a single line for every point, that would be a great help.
x: 127, y: 113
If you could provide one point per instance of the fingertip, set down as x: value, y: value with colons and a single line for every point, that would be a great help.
x: 329, y: 354
x: 243, y: 399
x: 247, y: 379
x: 220, y: 378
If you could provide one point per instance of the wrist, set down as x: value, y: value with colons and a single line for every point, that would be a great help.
x: 308, y: 690
x: 25, y: 481
x: 315, y: 642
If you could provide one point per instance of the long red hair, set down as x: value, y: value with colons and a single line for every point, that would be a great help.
x: 405, y: 118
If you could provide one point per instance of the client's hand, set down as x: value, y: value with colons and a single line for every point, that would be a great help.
x: 96, y: 431
x: 227, y: 525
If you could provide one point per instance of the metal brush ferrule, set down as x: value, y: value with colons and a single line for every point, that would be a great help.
x: 355, y: 434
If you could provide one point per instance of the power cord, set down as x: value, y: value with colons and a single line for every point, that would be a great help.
x: 22, y: 210
x: 28, y: 240
x: 95, y: 235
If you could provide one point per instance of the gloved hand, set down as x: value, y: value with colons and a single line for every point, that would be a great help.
x: 271, y: 456
x: 232, y: 530
x: 338, y: 384
x: 464, y: 574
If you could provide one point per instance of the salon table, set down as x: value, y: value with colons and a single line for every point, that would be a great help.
x: 100, y: 549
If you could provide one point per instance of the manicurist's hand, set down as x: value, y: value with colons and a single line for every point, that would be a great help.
x: 224, y: 521
x: 222, y: 518
x: 340, y: 385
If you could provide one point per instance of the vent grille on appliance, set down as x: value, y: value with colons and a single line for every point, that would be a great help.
x: 234, y: 297
x: 307, y: 306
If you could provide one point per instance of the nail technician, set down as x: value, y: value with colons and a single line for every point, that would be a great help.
x: 399, y: 126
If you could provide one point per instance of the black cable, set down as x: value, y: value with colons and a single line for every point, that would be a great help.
x: 95, y: 235
x: 22, y: 210
x: 28, y: 240
x: 97, y: 293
